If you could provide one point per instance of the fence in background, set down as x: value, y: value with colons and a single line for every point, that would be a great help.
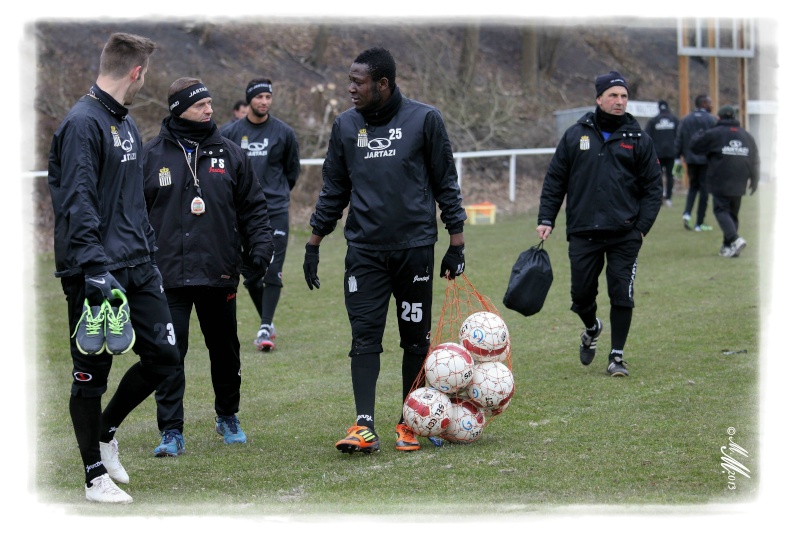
x: 457, y: 156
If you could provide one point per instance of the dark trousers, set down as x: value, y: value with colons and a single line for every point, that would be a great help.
x: 587, y: 257
x: 266, y: 294
x: 726, y: 211
x: 371, y: 277
x: 158, y: 359
x: 216, y: 314
x: 697, y: 189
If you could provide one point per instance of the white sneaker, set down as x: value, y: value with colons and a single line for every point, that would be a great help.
x: 104, y: 490
x: 109, y: 454
x: 737, y: 246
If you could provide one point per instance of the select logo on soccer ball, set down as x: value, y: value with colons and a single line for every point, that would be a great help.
x: 427, y: 411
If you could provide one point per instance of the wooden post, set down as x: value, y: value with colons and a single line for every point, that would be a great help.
x: 743, y: 87
x: 713, y: 68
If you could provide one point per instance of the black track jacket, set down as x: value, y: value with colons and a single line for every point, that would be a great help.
x: 697, y: 120
x: 204, y: 249
x: 611, y: 186
x: 663, y: 128
x: 392, y: 176
x: 274, y: 155
x: 95, y: 178
x: 732, y: 158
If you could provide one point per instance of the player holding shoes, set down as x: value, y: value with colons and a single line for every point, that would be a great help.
x: 103, y: 246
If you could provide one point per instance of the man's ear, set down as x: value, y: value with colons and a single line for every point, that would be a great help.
x: 136, y: 73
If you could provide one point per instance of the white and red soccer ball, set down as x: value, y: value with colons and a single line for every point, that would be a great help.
x: 467, y: 421
x: 427, y: 411
x: 448, y: 368
x: 485, y: 336
x: 492, y: 386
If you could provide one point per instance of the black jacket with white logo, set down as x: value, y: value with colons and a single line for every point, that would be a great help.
x: 612, y: 186
x: 203, y: 249
x: 732, y: 156
x: 663, y: 129
x: 95, y: 179
x: 274, y: 155
x: 392, y: 177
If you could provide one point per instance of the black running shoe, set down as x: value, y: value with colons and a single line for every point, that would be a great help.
x: 589, y: 344
x: 616, y: 367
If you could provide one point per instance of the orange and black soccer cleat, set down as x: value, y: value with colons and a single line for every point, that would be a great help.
x: 359, y: 439
x: 406, y: 440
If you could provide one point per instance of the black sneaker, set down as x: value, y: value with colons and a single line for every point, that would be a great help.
x: 616, y: 367
x: 589, y: 343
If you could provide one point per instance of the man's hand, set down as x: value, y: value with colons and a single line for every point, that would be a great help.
x: 544, y: 231
x: 453, y: 262
x: 310, y: 265
x: 258, y: 269
x: 99, y: 286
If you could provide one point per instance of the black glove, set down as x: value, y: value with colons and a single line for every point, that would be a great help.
x: 753, y: 189
x: 258, y: 268
x: 99, y: 286
x: 310, y: 265
x: 453, y: 263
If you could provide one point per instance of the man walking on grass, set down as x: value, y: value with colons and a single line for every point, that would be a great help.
x: 607, y: 168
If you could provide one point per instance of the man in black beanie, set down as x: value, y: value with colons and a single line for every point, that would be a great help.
x: 273, y: 151
x: 203, y: 200
x: 607, y: 168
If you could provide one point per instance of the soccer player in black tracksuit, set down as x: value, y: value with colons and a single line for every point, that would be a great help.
x: 389, y: 158
x: 733, y: 158
x: 271, y: 146
x: 663, y: 128
x: 103, y: 240
x: 203, y: 200
x: 608, y: 170
x: 696, y: 164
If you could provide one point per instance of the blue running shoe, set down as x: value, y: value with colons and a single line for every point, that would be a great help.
x: 90, y: 333
x: 229, y: 428
x: 119, y: 331
x: 172, y: 444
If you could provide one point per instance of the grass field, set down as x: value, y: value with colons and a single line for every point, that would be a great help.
x: 572, y: 441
